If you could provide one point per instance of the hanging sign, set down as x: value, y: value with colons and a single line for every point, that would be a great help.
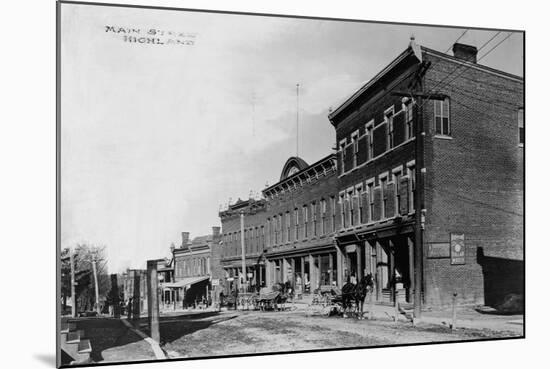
x: 457, y: 249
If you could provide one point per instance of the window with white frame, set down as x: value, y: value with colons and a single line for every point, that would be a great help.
x: 521, y: 126
x: 314, y: 217
x: 323, y: 204
x: 333, y: 212
x: 342, y: 155
x: 287, y: 226
x: 388, y: 117
x: 384, y: 190
x: 370, y: 142
x: 360, y: 205
x: 442, y: 121
x: 370, y: 189
x: 412, y: 186
x: 296, y: 225
x: 408, y: 106
x: 351, y: 206
x: 305, y: 216
x: 342, y: 210
x: 397, y: 196
x: 355, y: 146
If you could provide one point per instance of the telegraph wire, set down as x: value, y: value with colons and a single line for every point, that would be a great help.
x: 467, y: 93
x: 481, y: 58
x: 431, y: 92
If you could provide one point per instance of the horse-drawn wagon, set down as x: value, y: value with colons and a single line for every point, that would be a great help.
x: 350, y: 299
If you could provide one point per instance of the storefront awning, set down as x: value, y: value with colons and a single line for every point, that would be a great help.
x: 185, y: 282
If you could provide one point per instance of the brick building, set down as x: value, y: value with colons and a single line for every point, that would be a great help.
x: 254, y: 227
x: 195, y: 267
x: 356, y: 211
x: 301, y: 221
x: 472, y: 197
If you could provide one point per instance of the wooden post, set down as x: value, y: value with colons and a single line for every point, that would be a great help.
x: 94, y: 269
x: 453, y: 324
x: 73, y: 297
x: 371, y: 302
x: 331, y: 271
x: 359, y: 257
x: 152, y: 300
x: 410, y: 244
x: 396, y: 306
x: 339, y: 267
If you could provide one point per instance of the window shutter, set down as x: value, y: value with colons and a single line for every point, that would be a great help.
x: 362, y: 154
x: 399, y: 128
x: 379, y: 140
x: 377, y: 204
x: 339, y: 162
x: 403, y: 194
x: 357, y: 213
x: 390, y: 201
x: 346, y: 211
x: 365, y: 200
x: 348, y: 162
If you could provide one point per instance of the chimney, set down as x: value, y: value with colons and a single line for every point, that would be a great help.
x: 215, y: 232
x: 184, y: 239
x: 465, y: 52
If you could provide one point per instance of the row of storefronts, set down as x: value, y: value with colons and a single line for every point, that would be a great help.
x: 367, y: 209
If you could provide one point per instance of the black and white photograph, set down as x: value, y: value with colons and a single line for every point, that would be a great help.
x: 235, y: 184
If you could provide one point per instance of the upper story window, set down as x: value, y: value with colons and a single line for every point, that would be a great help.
x: 342, y: 210
x: 296, y: 225
x: 314, y: 216
x: 333, y: 212
x: 287, y: 221
x: 305, y: 216
x: 442, y: 121
x: 388, y: 117
x: 409, y: 119
x: 342, y: 155
x: 355, y: 145
x: 412, y: 186
x: 323, y: 204
x: 370, y: 142
x: 397, y: 193
x: 521, y: 126
x: 384, y: 189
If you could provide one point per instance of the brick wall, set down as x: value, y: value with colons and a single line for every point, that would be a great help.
x: 474, y: 185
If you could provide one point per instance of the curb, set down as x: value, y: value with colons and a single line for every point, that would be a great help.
x: 159, y: 353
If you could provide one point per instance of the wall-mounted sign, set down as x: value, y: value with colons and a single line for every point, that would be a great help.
x: 230, y: 279
x: 457, y: 249
x: 439, y: 250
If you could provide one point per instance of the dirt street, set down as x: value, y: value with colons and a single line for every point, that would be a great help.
x: 230, y: 333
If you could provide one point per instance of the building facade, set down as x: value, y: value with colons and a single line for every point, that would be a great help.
x: 243, y: 221
x: 424, y: 192
x: 471, y: 201
x: 195, y: 273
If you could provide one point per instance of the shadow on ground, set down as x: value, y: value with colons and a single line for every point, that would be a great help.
x: 176, y: 326
x: 104, y: 334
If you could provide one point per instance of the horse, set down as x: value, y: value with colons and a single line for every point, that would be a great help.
x: 348, y: 297
x: 361, y: 290
x: 356, y: 293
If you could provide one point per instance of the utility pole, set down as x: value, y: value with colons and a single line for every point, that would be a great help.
x: 419, y: 174
x: 73, y: 297
x: 243, y: 260
x: 94, y: 268
x: 418, y: 204
x: 297, y: 116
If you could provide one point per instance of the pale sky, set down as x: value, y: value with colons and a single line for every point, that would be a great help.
x: 155, y: 137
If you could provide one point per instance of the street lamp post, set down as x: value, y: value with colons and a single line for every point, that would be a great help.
x: 243, y: 260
